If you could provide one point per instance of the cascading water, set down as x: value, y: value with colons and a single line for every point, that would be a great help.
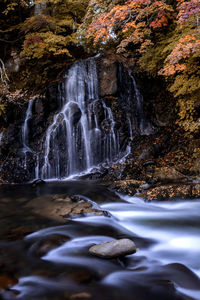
x: 112, y: 146
x: 85, y: 132
x: 78, y: 139
x: 143, y: 125
x: 55, y: 262
x: 25, y: 131
x: 132, y: 102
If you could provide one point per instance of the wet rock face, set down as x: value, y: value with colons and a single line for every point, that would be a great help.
x: 18, y: 166
x: 114, y: 249
x: 108, y: 84
x: 13, y: 166
x: 49, y: 243
x: 63, y: 208
x: 75, y: 113
x: 171, y: 192
x: 116, y: 92
x: 157, y: 191
x: 129, y: 187
x: 168, y: 174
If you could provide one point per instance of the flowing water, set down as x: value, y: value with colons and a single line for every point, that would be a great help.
x: 85, y: 132
x: 25, y: 132
x: 132, y: 100
x: 165, y: 266
x: 82, y: 135
x: 79, y: 138
x: 144, y: 127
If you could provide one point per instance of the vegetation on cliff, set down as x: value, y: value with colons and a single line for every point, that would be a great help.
x: 159, y: 38
x: 163, y: 37
x: 39, y: 36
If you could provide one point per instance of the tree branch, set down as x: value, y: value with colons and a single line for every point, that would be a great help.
x: 11, y: 42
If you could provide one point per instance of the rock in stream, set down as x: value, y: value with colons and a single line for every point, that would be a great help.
x: 114, y: 249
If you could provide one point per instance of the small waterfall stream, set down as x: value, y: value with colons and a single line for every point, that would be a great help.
x: 132, y: 101
x: 143, y: 125
x: 112, y: 141
x: 25, y: 131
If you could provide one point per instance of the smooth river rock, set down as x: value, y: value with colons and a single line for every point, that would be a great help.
x: 114, y: 249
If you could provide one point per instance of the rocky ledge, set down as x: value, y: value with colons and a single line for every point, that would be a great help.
x: 157, y: 191
x: 61, y: 208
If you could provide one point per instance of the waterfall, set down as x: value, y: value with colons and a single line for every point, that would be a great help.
x: 37, y: 167
x: 25, y: 131
x: 78, y: 130
x: 85, y: 133
x: 79, y: 138
x: 132, y: 103
x: 112, y: 141
x: 144, y: 126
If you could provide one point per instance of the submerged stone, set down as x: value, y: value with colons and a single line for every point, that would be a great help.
x: 114, y: 249
x: 7, y: 281
x: 45, y: 245
x: 62, y: 208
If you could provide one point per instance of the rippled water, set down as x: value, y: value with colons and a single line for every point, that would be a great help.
x: 165, y: 266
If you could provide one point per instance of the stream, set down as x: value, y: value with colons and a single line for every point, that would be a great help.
x: 167, y: 236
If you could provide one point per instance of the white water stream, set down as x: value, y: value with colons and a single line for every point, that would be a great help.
x: 175, y: 228
x: 77, y: 140
x: 84, y: 133
x: 167, y: 236
x: 144, y: 127
x: 25, y: 131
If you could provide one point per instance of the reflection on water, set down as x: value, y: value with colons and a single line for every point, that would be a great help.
x: 167, y: 235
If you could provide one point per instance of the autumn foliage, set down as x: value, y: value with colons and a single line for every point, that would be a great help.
x: 43, y: 34
x: 164, y: 38
x: 133, y: 23
x: 187, y: 9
